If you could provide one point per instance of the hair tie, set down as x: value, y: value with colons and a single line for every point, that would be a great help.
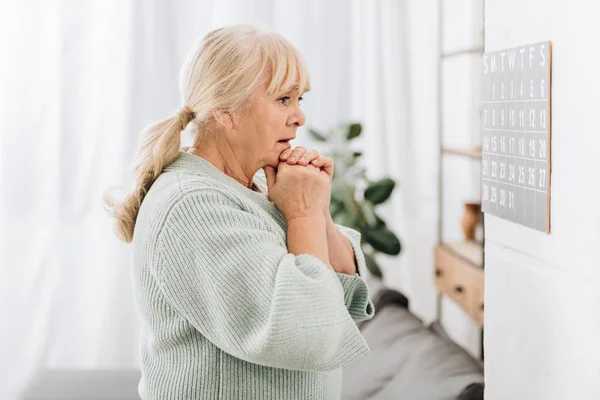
x: 185, y: 115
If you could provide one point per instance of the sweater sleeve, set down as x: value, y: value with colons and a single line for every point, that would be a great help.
x: 356, y: 291
x: 232, y: 278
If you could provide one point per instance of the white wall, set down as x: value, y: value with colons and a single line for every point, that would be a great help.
x: 542, y: 318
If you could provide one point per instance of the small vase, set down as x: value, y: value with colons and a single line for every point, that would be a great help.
x: 470, y: 220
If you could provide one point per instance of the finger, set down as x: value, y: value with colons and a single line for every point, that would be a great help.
x: 325, y: 163
x: 309, y: 156
x: 270, y: 174
x: 296, y: 154
x: 322, y: 162
x: 285, y: 154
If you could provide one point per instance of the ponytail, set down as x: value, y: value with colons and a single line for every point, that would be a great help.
x: 159, y: 147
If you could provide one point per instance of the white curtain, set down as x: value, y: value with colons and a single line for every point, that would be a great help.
x: 79, y: 81
x: 395, y: 54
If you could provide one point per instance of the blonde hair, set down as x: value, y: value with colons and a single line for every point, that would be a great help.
x: 222, y: 72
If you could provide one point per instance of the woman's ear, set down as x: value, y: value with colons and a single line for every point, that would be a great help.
x: 224, y: 118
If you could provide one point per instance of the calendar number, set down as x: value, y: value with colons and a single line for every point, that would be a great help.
x: 532, y: 118
x: 543, y: 121
x: 511, y: 173
x: 531, y: 89
x: 542, y: 87
x: 522, y: 147
x: 531, y: 176
x: 532, y: 148
x: 543, y: 149
x: 521, y: 89
x: 521, y: 174
x: 522, y: 118
x: 542, y: 175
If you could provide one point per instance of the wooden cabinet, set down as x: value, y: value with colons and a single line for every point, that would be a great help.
x: 459, y: 275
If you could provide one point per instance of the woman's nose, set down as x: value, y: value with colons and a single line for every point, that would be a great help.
x: 298, y: 118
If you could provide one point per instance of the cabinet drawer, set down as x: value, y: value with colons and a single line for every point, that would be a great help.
x: 460, y: 280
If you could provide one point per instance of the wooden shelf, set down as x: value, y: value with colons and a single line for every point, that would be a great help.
x: 471, y: 252
x: 475, y: 50
x: 473, y: 153
x: 459, y: 276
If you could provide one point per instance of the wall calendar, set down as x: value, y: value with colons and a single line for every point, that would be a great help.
x: 516, y: 133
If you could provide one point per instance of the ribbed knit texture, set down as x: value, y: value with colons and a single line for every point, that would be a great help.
x: 226, y: 311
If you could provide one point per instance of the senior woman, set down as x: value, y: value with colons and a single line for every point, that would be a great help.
x: 245, y: 287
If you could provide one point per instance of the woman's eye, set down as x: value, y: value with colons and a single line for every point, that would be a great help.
x: 285, y: 100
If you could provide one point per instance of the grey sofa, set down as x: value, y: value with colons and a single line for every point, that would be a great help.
x: 408, y: 360
x: 83, y: 385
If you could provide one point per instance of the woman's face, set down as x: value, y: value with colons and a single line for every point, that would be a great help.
x: 272, y: 122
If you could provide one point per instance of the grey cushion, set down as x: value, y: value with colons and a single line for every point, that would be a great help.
x: 408, y: 361
x: 83, y: 385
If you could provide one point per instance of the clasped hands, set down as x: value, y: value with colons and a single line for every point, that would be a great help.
x: 303, y: 193
x: 302, y: 156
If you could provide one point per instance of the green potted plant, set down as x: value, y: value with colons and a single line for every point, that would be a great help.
x: 354, y: 197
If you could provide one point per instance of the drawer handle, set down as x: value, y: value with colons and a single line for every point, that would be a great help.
x: 438, y: 272
x: 459, y: 289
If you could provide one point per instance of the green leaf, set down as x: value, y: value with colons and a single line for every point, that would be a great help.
x: 369, y: 214
x: 344, y: 194
x: 380, y: 191
x: 380, y: 223
x: 316, y: 135
x: 383, y: 240
x: 347, y: 218
x: 372, y: 266
x: 357, y: 154
x: 335, y: 206
x: 354, y: 131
